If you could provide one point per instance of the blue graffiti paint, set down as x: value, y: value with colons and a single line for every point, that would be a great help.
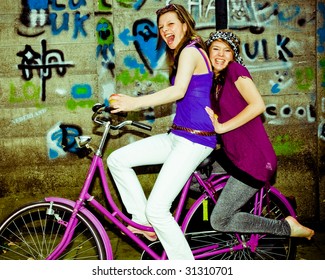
x: 137, y: 5
x: 78, y: 25
x: 105, y: 39
x: 38, y: 4
x: 72, y: 5
x: 145, y: 40
x: 125, y: 37
x: 321, y: 31
x: 296, y: 12
x: 64, y: 26
x: 76, y: 6
x: 145, y: 34
x: 62, y: 140
x: 133, y: 64
x: 81, y: 91
x: 275, y: 89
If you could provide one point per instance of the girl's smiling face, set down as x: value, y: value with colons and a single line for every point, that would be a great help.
x: 171, y: 29
x: 220, y: 54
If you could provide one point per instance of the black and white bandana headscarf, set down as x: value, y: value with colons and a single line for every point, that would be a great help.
x: 231, y: 39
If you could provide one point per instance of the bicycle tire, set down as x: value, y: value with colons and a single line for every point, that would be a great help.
x: 32, y: 233
x: 199, y: 233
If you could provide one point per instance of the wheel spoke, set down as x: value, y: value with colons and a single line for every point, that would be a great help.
x: 31, y: 233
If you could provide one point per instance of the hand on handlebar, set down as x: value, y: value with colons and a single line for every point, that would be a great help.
x: 99, y: 108
x: 121, y: 103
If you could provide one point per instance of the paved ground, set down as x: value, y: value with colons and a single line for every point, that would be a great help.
x: 313, y: 249
x: 306, y: 250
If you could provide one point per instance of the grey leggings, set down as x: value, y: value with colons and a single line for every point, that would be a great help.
x: 226, y: 215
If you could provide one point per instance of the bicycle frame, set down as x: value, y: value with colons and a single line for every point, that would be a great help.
x: 117, y: 217
x: 252, y: 241
x: 97, y: 164
x: 84, y: 196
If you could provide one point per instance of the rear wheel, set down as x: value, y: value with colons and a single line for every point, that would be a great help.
x: 35, y: 230
x: 200, y: 234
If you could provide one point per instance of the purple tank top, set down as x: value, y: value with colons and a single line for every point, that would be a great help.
x: 248, y: 146
x: 190, y: 112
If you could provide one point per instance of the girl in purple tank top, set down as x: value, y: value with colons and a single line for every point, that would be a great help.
x: 191, y: 140
x: 247, y: 153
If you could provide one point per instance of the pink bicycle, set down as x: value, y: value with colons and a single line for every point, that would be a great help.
x: 58, y: 228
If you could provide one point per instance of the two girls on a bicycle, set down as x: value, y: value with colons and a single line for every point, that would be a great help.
x: 192, y: 137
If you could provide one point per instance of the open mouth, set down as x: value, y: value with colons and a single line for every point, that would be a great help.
x: 170, y: 39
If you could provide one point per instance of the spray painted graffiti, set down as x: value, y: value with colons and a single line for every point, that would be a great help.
x: 144, y: 39
x: 135, y: 4
x: 29, y: 116
x: 35, y: 13
x: 43, y: 63
x: 28, y: 92
x: 321, y: 30
x: 105, y: 47
x: 104, y: 7
x: 305, y: 78
x: 39, y: 13
x: 281, y: 67
x: 144, y: 88
x: 60, y: 140
x: 78, y: 24
x: 279, y: 115
x: 281, y: 48
x: 284, y: 145
x: 81, y: 94
x: 257, y: 16
x: 282, y: 81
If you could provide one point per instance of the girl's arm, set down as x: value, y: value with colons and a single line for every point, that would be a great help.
x: 255, y: 107
x: 187, y: 65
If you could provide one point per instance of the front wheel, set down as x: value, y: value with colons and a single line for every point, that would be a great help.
x: 206, y: 243
x: 32, y: 232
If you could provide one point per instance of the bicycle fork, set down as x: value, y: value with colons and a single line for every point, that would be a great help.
x: 69, y: 231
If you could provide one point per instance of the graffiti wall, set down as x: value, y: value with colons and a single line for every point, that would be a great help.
x: 60, y: 57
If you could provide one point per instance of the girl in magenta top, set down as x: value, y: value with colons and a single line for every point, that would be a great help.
x: 247, y: 153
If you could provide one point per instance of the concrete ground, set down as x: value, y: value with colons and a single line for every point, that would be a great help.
x: 306, y: 250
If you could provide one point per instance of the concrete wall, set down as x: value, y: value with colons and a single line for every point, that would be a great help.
x: 60, y: 57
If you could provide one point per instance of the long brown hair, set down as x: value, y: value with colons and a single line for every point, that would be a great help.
x: 191, y: 35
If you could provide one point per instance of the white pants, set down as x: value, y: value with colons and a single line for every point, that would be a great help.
x: 180, y: 157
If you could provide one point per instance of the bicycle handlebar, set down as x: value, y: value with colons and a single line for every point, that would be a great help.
x: 99, y: 108
x: 141, y: 125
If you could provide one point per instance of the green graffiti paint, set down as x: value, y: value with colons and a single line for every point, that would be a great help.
x: 73, y: 104
x: 305, y: 78
x: 29, y: 92
x: 284, y: 146
x: 126, y: 78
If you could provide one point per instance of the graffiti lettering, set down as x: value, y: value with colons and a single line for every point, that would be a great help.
x: 277, y: 116
x: 60, y: 140
x: 29, y: 92
x: 281, y: 47
x: 72, y: 5
x: 29, y: 116
x: 43, y: 63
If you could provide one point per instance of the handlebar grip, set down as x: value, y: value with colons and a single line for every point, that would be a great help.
x: 97, y: 106
x: 142, y: 125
